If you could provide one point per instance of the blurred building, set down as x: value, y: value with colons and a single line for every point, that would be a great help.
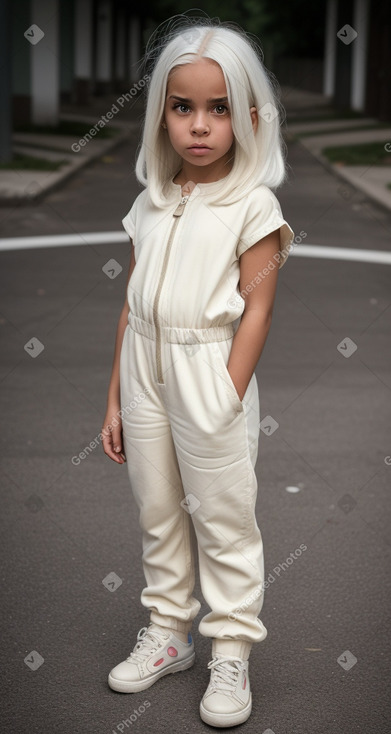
x: 357, y: 57
x: 72, y: 50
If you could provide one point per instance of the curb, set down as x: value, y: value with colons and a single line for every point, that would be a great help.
x: 43, y: 190
x: 338, y: 172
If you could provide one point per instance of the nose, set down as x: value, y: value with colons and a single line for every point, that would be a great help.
x: 200, y: 123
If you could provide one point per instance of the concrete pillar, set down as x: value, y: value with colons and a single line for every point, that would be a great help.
x: 44, y: 62
x: 83, y: 25
x: 134, y: 48
x: 359, y: 51
x: 330, y: 48
x: 103, y: 72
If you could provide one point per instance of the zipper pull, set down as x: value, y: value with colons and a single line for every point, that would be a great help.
x: 179, y: 210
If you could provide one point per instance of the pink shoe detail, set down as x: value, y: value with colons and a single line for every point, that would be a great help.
x: 158, y: 662
x: 172, y: 652
x: 244, y: 681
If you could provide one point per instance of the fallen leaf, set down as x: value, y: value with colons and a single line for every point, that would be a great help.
x: 313, y: 649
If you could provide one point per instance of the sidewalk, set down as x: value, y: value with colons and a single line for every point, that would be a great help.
x: 28, y: 186
x: 330, y: 131
x: 311, y: 121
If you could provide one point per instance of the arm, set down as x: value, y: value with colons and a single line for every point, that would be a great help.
x: 250, y: 337
x: 112, y: 437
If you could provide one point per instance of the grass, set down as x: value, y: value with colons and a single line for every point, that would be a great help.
x: 333, y: 114
x: 364, y: 154
x: 335, y: 130
x: 28, y: 162
x: 69, y: 127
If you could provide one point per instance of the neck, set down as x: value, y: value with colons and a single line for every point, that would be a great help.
x: 202, y: 175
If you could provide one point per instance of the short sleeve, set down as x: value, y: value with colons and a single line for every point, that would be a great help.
x: 263, y: 217
x: 129, y: 221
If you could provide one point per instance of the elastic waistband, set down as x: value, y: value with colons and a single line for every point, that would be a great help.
x: 177, y: 335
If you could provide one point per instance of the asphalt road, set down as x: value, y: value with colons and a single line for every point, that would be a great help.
x: 324, y: 667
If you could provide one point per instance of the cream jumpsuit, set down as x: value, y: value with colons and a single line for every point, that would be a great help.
x: 191, y: 444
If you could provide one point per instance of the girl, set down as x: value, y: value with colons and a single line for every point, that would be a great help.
x: 208, y: 239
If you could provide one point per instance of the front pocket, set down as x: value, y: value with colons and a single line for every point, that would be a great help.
x: 226, y: 377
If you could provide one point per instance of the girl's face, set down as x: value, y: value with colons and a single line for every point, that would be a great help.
x: 197, y: 114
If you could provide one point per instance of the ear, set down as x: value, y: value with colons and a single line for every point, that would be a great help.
x: 254, y: 118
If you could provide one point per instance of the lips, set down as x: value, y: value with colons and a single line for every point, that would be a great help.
x: 199, y: 146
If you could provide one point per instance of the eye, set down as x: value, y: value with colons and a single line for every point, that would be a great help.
x: 180, y: 104
x: 221, y: 106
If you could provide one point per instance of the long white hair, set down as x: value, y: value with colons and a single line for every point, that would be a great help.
x: 258, y: 157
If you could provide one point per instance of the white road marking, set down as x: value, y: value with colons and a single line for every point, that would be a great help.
x: 63, y: 240
x: 343, y: 253
x: 381, y: 257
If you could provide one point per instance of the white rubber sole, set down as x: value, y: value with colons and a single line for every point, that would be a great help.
x: 134, y: 686
x: 222, y: 720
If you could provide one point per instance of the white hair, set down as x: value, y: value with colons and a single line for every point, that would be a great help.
x: 258, y: 158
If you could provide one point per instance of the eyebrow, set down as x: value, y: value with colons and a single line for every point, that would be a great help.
x: 186, y: 99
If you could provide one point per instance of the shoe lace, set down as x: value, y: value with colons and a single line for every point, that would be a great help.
x: 225, y: 671
x: 147, y: 642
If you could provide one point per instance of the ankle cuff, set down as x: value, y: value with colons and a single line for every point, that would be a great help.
x: 238, y: 648
x: 172, y: 623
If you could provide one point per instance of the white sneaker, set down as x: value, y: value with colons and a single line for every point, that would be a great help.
x: 157, y: 652
x: 227, y: 699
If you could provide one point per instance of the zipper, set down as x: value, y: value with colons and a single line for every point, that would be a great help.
x: 177, y: 213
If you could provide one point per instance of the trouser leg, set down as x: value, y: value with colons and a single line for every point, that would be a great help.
x: 154, y: 475
x: 216, y: 441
